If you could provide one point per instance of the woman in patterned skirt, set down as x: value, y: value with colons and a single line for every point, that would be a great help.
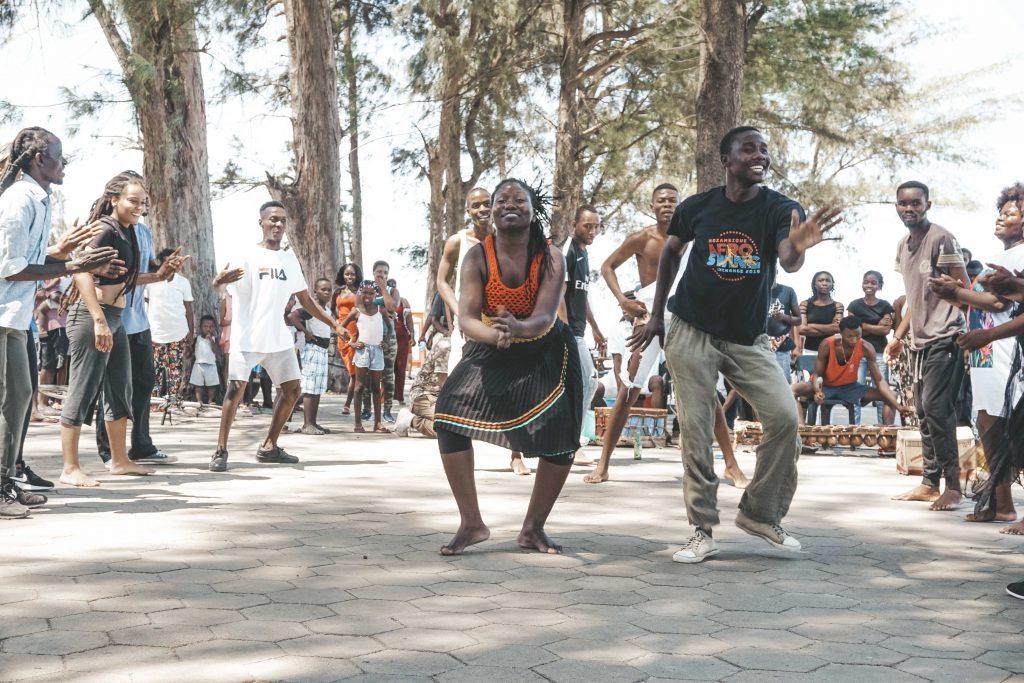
x: 519, y: 383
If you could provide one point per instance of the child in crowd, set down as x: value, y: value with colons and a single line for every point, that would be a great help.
x: 314, y: 355
x: 369, y: 357
x: 207, y: 353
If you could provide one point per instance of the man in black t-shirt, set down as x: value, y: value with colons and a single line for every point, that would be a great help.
x: 720, y: 312
x: 575, y: 309
x: 783, y: 327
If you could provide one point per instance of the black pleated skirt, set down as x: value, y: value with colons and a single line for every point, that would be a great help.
x: 525, y: 398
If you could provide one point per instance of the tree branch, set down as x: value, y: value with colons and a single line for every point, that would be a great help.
x: 113, y: 36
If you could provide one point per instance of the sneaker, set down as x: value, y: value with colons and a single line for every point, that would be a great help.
x: 366, y: 415
x: 773, y: 534
x: 403, y: 423
x: 158, y: 458
x: 388, y: 417
x: 29, y: 499
x: 219, y: 461
x: 275, y: 454
x: 1016, y: 590
x: 10, y: 508
x: 27, y: 480
x: 697, y: 549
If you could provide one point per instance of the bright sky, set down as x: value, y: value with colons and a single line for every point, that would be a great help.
x: 40, y: 58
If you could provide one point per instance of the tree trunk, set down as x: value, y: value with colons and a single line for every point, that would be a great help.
x: 163, y: 74
x: 435, y: 212
x: 719, y: 84
x: 313, y: 199
x: 568, y: 179
x: 352, y: 112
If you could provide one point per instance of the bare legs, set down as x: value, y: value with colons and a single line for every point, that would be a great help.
x: 458, y: 467
x: 368, y: 380
x: 72, y: 473
x: 732, y: 468
x: 283, y: 406
x: 232, y: 397
x: 310, y: 408
x: 1003, y: 498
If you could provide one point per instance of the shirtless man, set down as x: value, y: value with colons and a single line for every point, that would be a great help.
x: 449, y: 270
x: 646, y: 246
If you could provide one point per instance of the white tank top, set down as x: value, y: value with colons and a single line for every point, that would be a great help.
x: 371, y: 328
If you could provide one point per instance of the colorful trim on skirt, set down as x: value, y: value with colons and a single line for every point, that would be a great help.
x: 526, y: 398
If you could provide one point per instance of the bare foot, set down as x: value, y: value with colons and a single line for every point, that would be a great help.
x: 1013, y: 529
x: 536, y: 539
x: 359, y: 429
x: 464, y: 538
x: 596, y: 477
x: 949, y: 500
x: 582, y: 460
x: 77, y: 477
x: 379, y: 429
x: 991, y: 516
x: 519, y: 467
x: 736, y: 476
x: 923, y: 492
x: 130, y: 469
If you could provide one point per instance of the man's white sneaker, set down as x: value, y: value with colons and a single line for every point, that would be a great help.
x: 697, y: 549
x: 773, y: 534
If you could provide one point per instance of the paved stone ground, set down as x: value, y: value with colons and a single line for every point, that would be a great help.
x: 329, y: 571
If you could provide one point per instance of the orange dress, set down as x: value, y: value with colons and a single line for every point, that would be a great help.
x: 345, y: 301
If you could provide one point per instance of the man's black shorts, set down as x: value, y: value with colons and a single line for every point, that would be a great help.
x: 53, y: 347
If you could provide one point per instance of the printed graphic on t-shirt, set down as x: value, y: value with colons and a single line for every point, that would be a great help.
x: 274, y: 274
x: 733, y: 256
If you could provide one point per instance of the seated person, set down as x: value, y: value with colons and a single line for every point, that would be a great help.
x: 835, y: 372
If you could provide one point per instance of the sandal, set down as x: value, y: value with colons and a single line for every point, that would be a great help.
x: 381, y: 430
x: 314, y: 430
x: 359, y: 430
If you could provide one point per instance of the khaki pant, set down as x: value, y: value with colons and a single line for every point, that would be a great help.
x: 695, y: 358
x: 422, y: 409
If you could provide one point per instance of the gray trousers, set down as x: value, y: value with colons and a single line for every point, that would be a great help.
x: 695, y: 358
x: 15, y: 395
x: 92, y: 371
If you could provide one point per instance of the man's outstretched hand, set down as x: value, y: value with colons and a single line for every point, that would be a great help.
x: 804, y: 235
x: 644, y: 334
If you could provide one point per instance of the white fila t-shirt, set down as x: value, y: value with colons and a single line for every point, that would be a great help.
x: 259, y: 299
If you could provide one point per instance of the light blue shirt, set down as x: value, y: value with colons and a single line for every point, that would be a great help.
x: 134, y: 318
x: 25, y: 216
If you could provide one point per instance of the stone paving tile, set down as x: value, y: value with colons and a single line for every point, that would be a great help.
x: 208, y: 581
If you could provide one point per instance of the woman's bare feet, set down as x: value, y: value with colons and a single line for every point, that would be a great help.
x: 596, y: 477
x: 519, y: 467
x: 736, y: 476
x: 923, y: 492
x: 582, y: 460
x: 464, y: 538
x: 77, y: 477
x: 130, y: 468
x: 949, y: 500
x: 991, y: 516
x: 536, y: 539
x: 1013, y: 529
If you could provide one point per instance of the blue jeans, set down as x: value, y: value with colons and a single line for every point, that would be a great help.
x: 785, y: 359
x: 862, y: 377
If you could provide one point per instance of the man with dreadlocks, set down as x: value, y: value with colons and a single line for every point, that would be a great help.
x: 518, y: 384
x: 100, y: 357
x: 35, y: 162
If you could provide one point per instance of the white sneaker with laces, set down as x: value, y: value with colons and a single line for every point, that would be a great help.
x: 772, y: 534
x: 697, y: 549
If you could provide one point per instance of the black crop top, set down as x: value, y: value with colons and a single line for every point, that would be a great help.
x: 114, y: 235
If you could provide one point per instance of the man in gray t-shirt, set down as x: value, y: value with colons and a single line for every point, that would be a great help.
x: 934, y: 324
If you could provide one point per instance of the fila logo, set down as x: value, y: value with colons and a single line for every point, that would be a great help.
x: 273, y: 274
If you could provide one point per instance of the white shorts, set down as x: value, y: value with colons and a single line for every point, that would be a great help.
x: 282, y: 366
x: 204, y: 375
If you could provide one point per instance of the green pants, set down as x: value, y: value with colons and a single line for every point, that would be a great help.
x: 695, y: 358
x: 390, y: 348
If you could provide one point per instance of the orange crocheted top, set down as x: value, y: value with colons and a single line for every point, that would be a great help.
x: 519, y: 301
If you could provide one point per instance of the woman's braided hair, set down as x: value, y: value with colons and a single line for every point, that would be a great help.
x: 538, y: 242
x: 27, y: 143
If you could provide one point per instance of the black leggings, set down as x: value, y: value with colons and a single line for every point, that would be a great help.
x: 449, y: 442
